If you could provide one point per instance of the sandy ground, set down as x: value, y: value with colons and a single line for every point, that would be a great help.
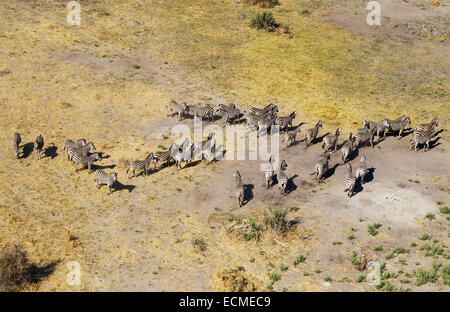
x: 70, y: 84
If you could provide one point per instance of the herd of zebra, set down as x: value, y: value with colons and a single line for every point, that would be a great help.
x: 261, y: 119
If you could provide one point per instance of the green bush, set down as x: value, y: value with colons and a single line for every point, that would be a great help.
x: 264, y: 20
x: 262, y: 3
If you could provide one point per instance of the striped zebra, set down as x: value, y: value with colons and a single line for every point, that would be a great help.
x: 350, y: 181
x: 425, y: 129
x: 348, y: 148
x: 311, y: 133
x: 282, y: 177
x: 163, y: 157
x: 285, y: 122
x: 399, y: 125
x: 102, y: 178
x: 365, y: 137
x: 266, y: 124
x: 206, y: 149
x: 269, y: 174
x: 269, y: 109
x: 78, y: 144
x: 173, y: 108
x: 229, y: 113
x: 321, y: 167
x: 38, y: 145
x: 85, y: 160
x: 228, y: 107
x: 239, y: 188
x: 140, y: 165
x: 206, y: 111
x: 253, y: 121
x: 182, y: 153
x: 82, y: 151
x: 424, y: 139
x: 380, y: 127
x: 16, y: 143
x: 329, y: 142
x: 362, y: 171
x: 289, y: 137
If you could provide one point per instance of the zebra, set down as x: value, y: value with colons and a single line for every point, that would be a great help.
x: 85, y: 160
x: 362, y: 171
x: 239, y: 188
x: 102, y: 178
x: 285, y: 122
x: 348, y: 148
x: 181, y: 153
x: 270, y: 172
x: 282, y: 177
x: 289, y: 137
x: 205, y: 111
x: 206, y: 149
x: 425, y: 129
x: 321, y: 167
x: 229, y: 113
x: 311, y: 133
x: 265, y: 124
x: 71, y: 144
x: 269, y: 109
x: 252, y: 121
x: 350, y: 181
x: 329, y: 142
x: 230, y: 106
x: 38, y: 145
x: 379, y: 126
x: 140, y: 165
x: 82, y: 151
x: 163, y: 156
x: 419, y: 138
x: 16, y: 143
x: 365, y: 137
x: 174, y: 108
x: 399, y: 125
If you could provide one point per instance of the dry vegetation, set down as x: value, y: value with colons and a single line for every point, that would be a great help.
x: 109, y: 79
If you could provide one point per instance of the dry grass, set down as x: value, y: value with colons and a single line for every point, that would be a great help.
x: 63, y: 83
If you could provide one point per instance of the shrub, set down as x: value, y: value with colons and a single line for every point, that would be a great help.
x: 359, y: 261
x: 13, y: 268
x: 199, y: 243
x: 424, y: 236
x: 276, y: 220
x: 372, y: 228
x: 444, y: 210
x: 263, y: 3
x: 423, y: 276
x: 264, y: 20
x: 445, y: 273
x: 299, y: 259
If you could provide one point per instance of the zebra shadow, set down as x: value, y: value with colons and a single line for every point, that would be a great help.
x: 369, y: 176
x: 438, y: 132
x: 119, y: 187
x: 330, y: 172
x: 27, y: 150
x: 358, y: 188
x: 248, y: 193
x: 291, y: 186
x: 51, y: 151
x: 95, y: 167
x: 395, y: 134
